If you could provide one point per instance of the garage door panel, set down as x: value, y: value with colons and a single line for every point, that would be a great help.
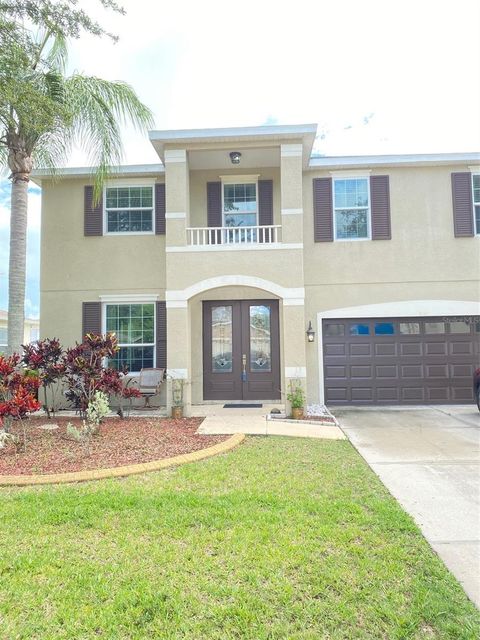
x: 461, y: 371
x: 439, y: 394
x: 411, y: 349
x: 413, y: 394
x: 385, y: 349
x: 362, y: 394
x: 388, y: 394
x: 400, y: 360
x: 461, y: 348
x: 336, y: 394
x: 335, y: 371
x: 386, y: 371
x: 435, y: 349
x: 358, y: 350
x: 436, y: 370
x: 412, y: 371
x: 463, y: 394
x: 361, y: 371
x: 335, y: 350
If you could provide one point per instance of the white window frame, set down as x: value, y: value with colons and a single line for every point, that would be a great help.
x: 476, y: 231
x: 233, y: 179
x: 143, y: 300
x: 352, y: 176
x: 133, y: 182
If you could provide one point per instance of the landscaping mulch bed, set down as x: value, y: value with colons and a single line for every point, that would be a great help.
x: 119, y: 442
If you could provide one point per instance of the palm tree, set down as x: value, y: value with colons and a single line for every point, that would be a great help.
x: 43, y: 114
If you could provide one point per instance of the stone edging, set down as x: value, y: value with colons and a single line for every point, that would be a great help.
x: 115, y: 472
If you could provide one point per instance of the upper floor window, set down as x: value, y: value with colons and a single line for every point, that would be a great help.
x: 129, y: 209
x: 476, y: 201
x: 351, y: 206
x: 240, y: 205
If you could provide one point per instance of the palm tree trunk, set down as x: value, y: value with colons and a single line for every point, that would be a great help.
x: 20, y: 163
x: 17, y: 262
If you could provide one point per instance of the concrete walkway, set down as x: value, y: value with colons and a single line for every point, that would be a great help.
x: 429, y: 459
x: 254, y: 422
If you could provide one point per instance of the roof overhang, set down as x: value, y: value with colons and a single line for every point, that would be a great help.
x: 404, y: 160
x: 128, y: 170
x: 229, y: 138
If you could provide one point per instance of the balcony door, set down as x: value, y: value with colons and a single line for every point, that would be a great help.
x: 241, y: 350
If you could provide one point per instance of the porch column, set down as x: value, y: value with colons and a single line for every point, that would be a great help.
x: 177, y: 183
x: 294, y: 340
x: 178, y: 355
x: 291, y: 175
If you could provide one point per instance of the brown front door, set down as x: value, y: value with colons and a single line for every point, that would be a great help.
x: 241, y: 350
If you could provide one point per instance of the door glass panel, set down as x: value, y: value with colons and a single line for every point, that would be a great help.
x: 359, y: 330
x: 409, y: 327
x: 434, y: 327
x: 384, y: 329
x: 459, y: 326
x: 335, y: 330
x: 260, y: 339
x: 222, y: 339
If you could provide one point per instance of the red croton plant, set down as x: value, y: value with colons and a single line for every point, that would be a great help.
x: 18, y: 390
x: 46, y: 358
x: 85, y: 371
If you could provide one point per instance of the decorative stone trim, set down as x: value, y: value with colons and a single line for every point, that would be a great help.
x: 118, y: 472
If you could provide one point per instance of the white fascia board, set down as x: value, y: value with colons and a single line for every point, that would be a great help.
x: 220, y: 134
x: 425, y: 159
x: 130, y: 170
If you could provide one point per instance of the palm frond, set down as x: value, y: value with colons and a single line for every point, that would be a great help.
x: 99, y: 108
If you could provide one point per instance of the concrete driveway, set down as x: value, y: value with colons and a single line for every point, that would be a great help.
x: 429, y: 459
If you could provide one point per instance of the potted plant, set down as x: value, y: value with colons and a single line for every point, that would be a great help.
x: 296, y: 397
x: 177, y: 398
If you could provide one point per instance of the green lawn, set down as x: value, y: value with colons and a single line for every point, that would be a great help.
x: 279, y: 539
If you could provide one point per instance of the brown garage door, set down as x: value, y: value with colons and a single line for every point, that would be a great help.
x: 400, y: 360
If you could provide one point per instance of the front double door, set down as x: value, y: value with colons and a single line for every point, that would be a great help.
x: 241, y: 350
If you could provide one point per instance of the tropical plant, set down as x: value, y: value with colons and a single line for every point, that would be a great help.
x: 44, y: 113
x: 97, y: 410
x: 18, y: 389
x: 296, y: 394
x: 45, y: 357
x: 85, y: 371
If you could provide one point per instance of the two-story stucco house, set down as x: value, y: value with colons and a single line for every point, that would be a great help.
x: 215, y: 262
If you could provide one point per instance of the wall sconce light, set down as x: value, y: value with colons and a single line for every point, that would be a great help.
x: 235, y: 157
x: 310, y: 332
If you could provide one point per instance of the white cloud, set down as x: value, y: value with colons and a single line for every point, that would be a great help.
x: 413, y: 64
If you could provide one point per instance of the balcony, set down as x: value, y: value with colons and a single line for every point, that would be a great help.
x: 234, y: 237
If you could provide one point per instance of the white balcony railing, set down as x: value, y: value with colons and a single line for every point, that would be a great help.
x: 203, y: 236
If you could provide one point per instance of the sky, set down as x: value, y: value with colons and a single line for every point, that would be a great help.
x: 376, y: 76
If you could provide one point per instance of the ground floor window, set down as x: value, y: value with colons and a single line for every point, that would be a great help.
x: 134, y: 326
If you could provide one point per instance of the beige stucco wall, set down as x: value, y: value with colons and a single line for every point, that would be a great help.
x: 422, y: 261
x: 422, y: 249
x: 76, y: 269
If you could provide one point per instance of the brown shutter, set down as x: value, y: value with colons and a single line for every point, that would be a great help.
x: 160, y: 206
x: 161, y: 322
x: 91, y: 318
x: 380, y: 207
x: 322, y: 210
x: 265, y: 202
x: 93, y: 215
x: 214, y: 208
x: 462, y: 204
